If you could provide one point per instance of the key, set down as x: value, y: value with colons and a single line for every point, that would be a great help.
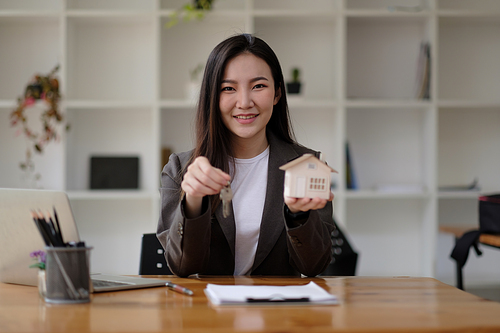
x: 226, y: 195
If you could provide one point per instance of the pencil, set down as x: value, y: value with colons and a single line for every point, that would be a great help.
x: 58, y: 225
x: 40, y: 229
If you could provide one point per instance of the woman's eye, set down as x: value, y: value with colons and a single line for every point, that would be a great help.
x: 259, y: 86
x: 227, y: 88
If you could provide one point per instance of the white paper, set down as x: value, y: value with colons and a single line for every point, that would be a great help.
x: 232, y: 295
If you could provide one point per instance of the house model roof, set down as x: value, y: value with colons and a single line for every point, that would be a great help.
x: 303, y: 158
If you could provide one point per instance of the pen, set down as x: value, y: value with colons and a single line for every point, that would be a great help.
x: 179, y: 289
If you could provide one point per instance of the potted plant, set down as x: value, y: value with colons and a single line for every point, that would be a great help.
x: 293, y: 87
x: 40, y: 261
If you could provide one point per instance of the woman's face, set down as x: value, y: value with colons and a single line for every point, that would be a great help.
x: 247, y: 97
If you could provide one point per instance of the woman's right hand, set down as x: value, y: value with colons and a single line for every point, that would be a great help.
x: 201, y: 179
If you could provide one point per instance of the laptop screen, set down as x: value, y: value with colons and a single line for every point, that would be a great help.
x: 19, y: 235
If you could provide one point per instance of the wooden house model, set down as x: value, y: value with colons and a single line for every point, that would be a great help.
x: 307, y: 176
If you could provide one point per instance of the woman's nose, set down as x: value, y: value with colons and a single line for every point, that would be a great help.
x: 244, y: 100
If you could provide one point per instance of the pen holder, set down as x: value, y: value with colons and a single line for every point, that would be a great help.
x: 68, y: 275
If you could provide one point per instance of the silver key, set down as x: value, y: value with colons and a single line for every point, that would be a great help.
x: 226, y: 195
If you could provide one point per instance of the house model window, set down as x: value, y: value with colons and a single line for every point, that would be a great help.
x: 317, y: 184
x: 307, y: 177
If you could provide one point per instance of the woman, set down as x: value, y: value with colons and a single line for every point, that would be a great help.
x: 243, y: 135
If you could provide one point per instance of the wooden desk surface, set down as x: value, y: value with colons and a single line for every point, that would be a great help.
x: 458, y: 231
x: 366, y: 305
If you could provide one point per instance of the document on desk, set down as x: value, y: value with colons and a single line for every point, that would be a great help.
x: 310, y: 293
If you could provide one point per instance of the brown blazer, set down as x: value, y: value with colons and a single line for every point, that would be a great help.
x: 205, y: 245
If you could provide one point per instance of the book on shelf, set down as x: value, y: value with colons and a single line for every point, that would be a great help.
x: 424, y: 71
x: 351, y: 182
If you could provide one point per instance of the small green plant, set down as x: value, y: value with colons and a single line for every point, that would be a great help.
x: 293, y: 86
x: 190, y: 11
x: 40, y: 259
x: 295, y: 75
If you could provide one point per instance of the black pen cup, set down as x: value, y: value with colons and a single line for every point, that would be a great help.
x: 68, y: 275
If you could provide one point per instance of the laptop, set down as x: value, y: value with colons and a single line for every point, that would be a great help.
x: 19, y: 237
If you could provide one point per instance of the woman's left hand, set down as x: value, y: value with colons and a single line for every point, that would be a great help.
x: 296, y: 205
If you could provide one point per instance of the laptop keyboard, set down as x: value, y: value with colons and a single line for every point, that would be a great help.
x: 102, y: 283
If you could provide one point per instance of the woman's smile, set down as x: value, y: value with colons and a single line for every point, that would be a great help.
x: 246, y: 119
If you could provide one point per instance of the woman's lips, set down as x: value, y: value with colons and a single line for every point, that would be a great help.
x: 245, y: 118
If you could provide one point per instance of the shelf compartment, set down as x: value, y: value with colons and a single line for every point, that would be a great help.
x: 316, y: 128
x: 178, y: 129
x: 111, y: 5
x: 469, y: 59
x: 387, y: 148
x: 386, y: 230
x: 29, y: 46
x: 382, y: 56
x: 467, y: 139
x: 31, y: 5
x: 203, y: 37
x: 315, y: 58
x: 109, y: 132
x: 110, y: 58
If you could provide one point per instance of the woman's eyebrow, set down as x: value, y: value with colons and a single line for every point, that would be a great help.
x: 258, y: 78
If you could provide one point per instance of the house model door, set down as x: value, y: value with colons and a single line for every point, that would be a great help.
x: 300, y: 189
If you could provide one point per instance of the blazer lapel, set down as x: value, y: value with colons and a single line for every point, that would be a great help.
x: 272, y: 217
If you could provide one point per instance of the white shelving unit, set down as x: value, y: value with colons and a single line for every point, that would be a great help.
x: 123, y: 78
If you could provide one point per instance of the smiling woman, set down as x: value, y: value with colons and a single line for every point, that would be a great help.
x: 243, y: 136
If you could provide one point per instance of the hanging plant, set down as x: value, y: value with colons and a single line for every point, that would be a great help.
x: 193, y: 10
x: 46, y: 89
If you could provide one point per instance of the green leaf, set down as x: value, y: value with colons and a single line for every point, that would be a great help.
x: 39, y: 265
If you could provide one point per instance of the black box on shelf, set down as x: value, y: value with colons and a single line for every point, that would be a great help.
x: 114, y: 172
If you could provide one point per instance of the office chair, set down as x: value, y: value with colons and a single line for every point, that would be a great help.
x: 152, y: 257
x: 344, y: 258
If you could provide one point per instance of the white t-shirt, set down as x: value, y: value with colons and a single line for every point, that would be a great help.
x: 249, y: 194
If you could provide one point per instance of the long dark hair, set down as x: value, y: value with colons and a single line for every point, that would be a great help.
x: 213, y: 138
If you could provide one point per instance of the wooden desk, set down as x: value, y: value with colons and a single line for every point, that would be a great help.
x: 366, y: 305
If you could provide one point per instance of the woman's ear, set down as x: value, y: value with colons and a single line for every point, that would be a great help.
x: 277, y: 96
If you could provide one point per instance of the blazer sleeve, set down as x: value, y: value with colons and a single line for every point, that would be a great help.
x: 186, y: 241
x: 310, y: 244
